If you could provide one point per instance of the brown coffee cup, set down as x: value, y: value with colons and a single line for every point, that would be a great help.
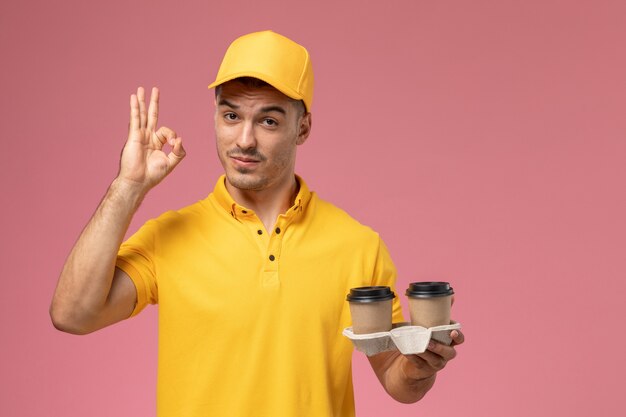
x: 430, y: 303
x: 370, y: 308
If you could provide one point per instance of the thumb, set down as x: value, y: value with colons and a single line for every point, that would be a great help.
x: 177, y: 153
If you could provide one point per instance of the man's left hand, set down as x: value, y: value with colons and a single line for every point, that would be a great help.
x: 434, y: 359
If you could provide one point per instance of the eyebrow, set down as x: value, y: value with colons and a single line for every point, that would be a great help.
x: 274, y: 108
x: 267, y: 109
x: 223, y: 102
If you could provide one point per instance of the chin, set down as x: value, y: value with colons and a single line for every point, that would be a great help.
x: 245, y: 181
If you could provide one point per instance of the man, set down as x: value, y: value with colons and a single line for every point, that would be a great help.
x: 251, y: 281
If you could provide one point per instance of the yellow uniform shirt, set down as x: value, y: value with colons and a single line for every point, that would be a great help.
x: 250, y: 320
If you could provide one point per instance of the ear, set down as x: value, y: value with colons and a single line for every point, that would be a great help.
x: 304, y: 128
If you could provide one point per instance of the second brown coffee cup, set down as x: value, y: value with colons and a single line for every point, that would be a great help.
x: 430, y: 303
x: 371, y: 309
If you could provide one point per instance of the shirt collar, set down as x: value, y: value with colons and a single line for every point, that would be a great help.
x: 224, y: 199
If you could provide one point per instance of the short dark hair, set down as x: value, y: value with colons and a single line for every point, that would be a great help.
x: 257, y: 83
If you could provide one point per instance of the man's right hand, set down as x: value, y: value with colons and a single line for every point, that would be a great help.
x: 92, y: 293
x: 143, y: 162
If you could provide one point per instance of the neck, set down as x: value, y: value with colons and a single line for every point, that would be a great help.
x: 268, y: 204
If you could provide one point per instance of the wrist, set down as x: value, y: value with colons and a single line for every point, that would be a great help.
x: 128, y: 190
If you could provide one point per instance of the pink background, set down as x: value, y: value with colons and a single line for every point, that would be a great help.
x: 484, y: 140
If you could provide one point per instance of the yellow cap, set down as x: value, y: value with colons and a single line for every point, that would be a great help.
x: 273, y: 58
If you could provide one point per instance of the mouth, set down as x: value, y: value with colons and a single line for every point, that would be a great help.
x: 247, y: 158
x: 244, y: 159
x: 244, y: 164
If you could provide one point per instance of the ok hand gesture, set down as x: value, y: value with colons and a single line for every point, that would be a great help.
x: 143, y: 162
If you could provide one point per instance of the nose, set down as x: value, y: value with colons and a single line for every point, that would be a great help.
x: 246, y: 139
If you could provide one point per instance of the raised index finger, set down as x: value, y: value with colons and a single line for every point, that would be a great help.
x: 153, y: 110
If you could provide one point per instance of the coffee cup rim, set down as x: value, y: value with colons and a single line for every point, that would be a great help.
x: 429, y: 289
x: 370, y: 294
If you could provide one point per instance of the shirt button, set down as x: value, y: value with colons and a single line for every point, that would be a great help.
x: 260, y: 231
x: 278, y: 230
x: 272, y: 257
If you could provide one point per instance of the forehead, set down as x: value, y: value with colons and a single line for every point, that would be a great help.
x: 251, y: 96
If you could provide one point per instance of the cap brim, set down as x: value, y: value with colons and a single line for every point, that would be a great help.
x: 277, y: 85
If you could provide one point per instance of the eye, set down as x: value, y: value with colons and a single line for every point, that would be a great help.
x: 230, y: 116
x: 269, y: 122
